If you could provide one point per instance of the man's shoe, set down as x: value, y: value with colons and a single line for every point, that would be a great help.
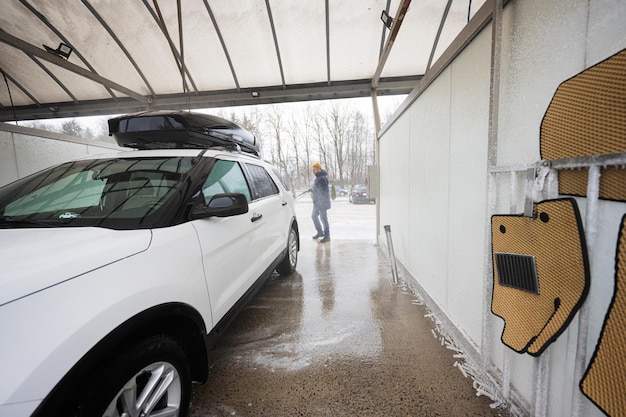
x: 317, y: 236
x: 326, y: 239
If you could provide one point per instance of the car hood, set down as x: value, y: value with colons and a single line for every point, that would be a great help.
x: 35, y: 259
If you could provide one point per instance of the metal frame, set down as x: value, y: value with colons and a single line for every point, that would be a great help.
x: 212, y: 99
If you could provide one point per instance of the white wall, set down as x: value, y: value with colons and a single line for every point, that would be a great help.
x: 434, y: 193
x: 24, y: 151
x: 433, y: 186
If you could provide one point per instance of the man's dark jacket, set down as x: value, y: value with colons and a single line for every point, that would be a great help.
x: 321, y: 195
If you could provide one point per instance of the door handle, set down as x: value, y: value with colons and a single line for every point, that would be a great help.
x: 255, y: 217
x: 284, y: 203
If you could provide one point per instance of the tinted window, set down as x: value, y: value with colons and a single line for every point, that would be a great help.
x: 225, y: 177
x: 261, y: 181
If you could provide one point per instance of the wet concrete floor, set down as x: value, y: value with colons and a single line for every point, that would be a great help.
x: 335, y: 339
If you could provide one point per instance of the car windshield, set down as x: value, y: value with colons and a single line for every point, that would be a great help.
x: 93, y: 192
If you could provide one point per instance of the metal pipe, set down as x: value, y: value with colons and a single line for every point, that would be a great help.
x: 591, y: 231
x: 392, y: 256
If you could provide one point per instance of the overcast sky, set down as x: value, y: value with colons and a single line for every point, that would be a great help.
x: 386, y: 104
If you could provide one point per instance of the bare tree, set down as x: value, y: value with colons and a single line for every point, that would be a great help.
x: 301, y: 131
x: 36, y: 124
x: 276, y: 123
x: 359, y: 147
x: 72, y: 128
x: 337, y: 123
x: 339, y: 136
x: 319, y: 131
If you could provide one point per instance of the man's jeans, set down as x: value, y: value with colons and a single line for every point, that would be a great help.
x: 320, y: 216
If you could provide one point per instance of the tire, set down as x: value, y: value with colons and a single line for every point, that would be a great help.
x: 156, y: 366
x: 288, y: 265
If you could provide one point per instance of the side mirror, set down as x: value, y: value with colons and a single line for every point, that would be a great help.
x: 221, y: 205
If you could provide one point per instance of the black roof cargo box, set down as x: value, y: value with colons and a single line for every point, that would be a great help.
x: 162, y: 129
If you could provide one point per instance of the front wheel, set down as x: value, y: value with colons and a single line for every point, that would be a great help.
x: 288, y: 265
x: 149, y: 379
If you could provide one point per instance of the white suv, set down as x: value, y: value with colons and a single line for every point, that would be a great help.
x: 117, y: 272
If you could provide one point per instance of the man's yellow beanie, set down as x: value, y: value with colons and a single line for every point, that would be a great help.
x: 317, y: 165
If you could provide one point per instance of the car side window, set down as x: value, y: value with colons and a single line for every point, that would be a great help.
x: 281, y: 178
x: 225, y: 177
x: 261, y: 181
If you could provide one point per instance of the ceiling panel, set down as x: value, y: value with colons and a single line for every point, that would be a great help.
x: 248, y: 37
x: 355, y: 32
x: 301, y: 33
x: 204, y: 55
x: 412, y: 48
x: 127, y: 54
x: 145, y: 63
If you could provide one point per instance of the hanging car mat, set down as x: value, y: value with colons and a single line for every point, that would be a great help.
x: 612, y: 182
x: 605, y: 377
x: 587, y: 116
x: 540, y: 273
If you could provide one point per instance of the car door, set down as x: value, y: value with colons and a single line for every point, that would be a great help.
x: 269, y: 209
x: 227, y: 243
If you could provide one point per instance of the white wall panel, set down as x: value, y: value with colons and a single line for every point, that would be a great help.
x: 446, y: 248
x: 542, y: 45
x: 8, y: 164
x: 395, y: 185
x: 24, y: 151
x: 469, y: 137
x: 429, y: 173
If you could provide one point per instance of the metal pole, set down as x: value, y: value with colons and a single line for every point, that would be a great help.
x: 392, y: 256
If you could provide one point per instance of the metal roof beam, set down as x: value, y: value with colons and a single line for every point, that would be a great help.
x: 46, y: 56
x: 54, y: 77
x: 77, y: 53
x: 280, y: 62
x: 213, y: 99
x: 157, y: 18
x: 382, y: 36
x: 441, y: 25
x: 119, y: 43
x: 18, y: 85
x: 224, y: 48
x: 395, y: 28
x: 327, y: 42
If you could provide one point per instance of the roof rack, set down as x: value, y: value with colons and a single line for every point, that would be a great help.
x: 163, y: 129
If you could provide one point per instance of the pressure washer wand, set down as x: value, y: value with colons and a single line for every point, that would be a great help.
x: 303, y: 193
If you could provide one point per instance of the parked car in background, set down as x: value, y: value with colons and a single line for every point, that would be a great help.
x: 341, y: 191
x: 359, y: 195
x: 338, y: 191
x: 118, y: 271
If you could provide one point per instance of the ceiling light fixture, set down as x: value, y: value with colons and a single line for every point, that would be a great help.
x: 64, y: 51
x: 387, y: 20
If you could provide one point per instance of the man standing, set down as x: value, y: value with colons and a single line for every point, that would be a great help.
x: 321, y: 203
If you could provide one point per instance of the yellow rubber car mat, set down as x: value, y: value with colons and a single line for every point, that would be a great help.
x: 587, y: 116
x: 604, y: 382
x: 612, y: 183
x: 554, y: 238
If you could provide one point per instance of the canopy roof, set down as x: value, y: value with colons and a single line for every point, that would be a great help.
x: 133, y: 55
